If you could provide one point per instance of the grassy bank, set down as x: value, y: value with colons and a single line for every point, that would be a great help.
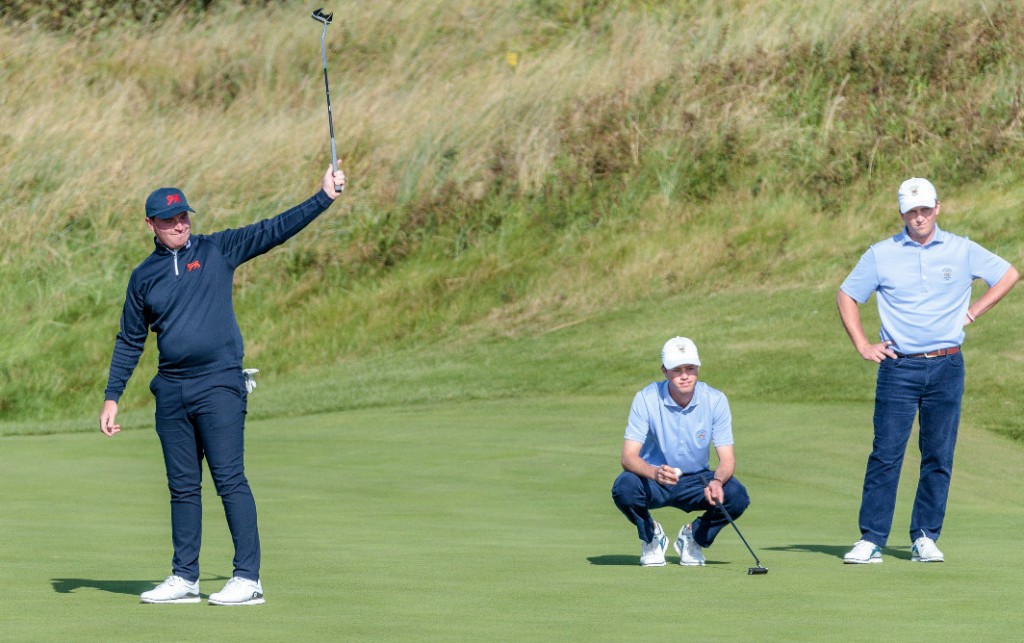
x: 635, y: 158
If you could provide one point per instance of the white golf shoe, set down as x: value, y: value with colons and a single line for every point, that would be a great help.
x: 173, y: 590
x: 924, y: 551
x: 863, y: 552
x: 239, y: 591
x: 652, y: 554
x: 690, y: 553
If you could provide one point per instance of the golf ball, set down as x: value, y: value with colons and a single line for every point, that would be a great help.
x: 678, y: 471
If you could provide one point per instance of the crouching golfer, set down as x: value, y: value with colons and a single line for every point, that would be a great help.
x: 672, y: 425
x: 182, y: 292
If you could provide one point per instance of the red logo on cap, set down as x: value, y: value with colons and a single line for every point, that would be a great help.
x: 193, y: 266
x: 173, y: 198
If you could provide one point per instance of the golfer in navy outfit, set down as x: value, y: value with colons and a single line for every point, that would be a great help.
x: 182, y: 292
x: 671, y: 428
x: 922, y: 277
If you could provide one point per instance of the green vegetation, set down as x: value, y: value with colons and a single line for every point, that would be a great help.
x: 493, y: 521
x: 720, y: 160
x: 540, y: 193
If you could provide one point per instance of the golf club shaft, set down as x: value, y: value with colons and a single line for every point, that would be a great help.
x: 327, y: 89
x: 725, y: 511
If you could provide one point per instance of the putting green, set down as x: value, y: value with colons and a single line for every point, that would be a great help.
x: 493, y: 521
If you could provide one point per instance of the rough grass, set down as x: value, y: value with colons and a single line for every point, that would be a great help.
x: 632, y: 153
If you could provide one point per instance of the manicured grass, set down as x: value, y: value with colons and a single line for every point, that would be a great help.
x: 493, y: 521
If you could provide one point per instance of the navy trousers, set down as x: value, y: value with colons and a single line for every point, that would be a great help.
x: 636, y: 496
x: 205, y: 418
x: 930, y: 390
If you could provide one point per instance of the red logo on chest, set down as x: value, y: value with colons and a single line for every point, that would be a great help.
x: 193, y: 266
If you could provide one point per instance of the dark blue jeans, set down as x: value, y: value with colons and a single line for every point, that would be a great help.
x: 908, y: 387
x: 636, y: 496
x: 197, y: 418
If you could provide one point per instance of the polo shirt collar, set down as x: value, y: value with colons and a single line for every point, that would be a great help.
x: 903, y: 238
x: 666, y: 397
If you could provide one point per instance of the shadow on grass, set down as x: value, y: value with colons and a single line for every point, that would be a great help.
x: 129, y: 587
x: 613, y: 559
x: 132, y: 587
x: 838, y: 551
x: 898, y: 552
x: 633, y: 561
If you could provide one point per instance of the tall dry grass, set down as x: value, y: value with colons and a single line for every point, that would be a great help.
x: 633, y: 151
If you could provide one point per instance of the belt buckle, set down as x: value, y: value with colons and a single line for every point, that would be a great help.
x: 933, y: 354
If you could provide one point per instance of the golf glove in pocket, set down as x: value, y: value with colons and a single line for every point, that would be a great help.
x: 250, y: 378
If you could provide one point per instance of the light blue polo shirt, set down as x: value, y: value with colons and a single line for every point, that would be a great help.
x: 676, y: 436
x: 923, y: 291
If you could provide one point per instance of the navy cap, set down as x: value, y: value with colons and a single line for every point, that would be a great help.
x: 166, y: 203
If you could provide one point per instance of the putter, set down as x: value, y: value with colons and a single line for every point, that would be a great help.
x: 751, y: 571
x: 325, y: 19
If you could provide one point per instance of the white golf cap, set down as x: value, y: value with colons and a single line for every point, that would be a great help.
x: 916, y: 193
x: 677, y: 351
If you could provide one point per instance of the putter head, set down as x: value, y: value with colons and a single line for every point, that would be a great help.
x: 320, y: 16
x: 753, y: 571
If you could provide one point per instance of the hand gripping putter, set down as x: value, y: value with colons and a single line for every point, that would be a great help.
x: 760, y: 569
x: 325, y: 19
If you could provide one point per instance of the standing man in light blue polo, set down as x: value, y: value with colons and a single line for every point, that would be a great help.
x: 922, y: 277
x: 672, y: 425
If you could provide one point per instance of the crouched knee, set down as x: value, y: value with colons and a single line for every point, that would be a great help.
x: 627, y: 490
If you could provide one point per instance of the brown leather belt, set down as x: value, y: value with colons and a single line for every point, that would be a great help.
x: 942, y: 352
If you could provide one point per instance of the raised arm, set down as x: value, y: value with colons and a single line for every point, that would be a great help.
x: 242, y: 244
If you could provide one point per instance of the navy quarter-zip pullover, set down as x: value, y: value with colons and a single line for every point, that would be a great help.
x: 184, y: 296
